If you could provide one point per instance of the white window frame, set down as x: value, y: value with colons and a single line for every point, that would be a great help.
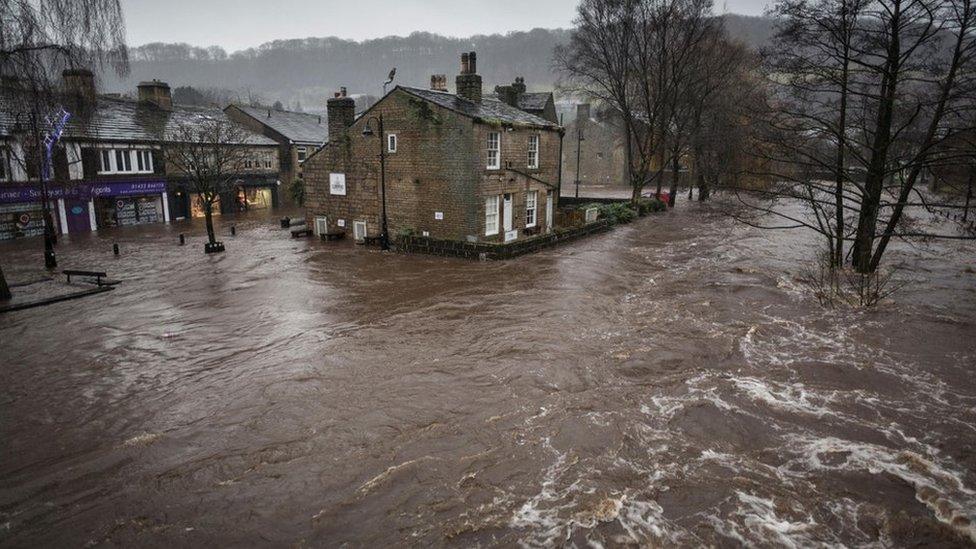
x: 493, y: 145
x: 492, y: 219
x: 391, y: 143
x: 301, y: 153
x: 120, y: 160
x: 355, y: 229
x: 321, y: 222
x: 533, y: 152
x: 531, y: 208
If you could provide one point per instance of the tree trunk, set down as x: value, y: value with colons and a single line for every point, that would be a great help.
x: 969, y: 197
x: 4, y: 288
x: 838, y: 251
x: 673, y: 192
x: 208, y: 216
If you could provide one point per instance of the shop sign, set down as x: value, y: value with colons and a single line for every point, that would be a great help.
x: 337, y: 183
x: 128, y: 189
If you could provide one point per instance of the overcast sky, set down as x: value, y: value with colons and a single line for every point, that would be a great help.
x: 238, y: 24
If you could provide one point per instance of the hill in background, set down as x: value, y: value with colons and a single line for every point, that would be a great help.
x: 302, y: 73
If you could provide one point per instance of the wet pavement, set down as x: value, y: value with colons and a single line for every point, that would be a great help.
x: 666, y: 383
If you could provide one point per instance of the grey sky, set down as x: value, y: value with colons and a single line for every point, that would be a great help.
x: 238, y: 24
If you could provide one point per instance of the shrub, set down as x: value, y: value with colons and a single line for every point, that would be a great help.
x: 615, y: 213
x: 648, y: 205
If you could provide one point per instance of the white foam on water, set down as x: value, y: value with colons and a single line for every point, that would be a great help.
x: 936, y: 485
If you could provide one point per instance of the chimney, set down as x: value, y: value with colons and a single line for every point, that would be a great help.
x: 582, y: 113
x: 341, y: 112
x: 507, y: 94
x: 469, y: 82
x: 79, y: 86
x: 438, y: 82
x: 519, y: 84
x: 157, y: 93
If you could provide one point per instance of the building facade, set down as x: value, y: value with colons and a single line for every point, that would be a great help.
x: 456, y: 166
x: 109, y: 169
x: 298, y: 136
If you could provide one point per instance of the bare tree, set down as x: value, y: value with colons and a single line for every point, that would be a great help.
x: 866, y: 90
x: 38, y: 40
x: 208, y: 153
x: 597, y: 64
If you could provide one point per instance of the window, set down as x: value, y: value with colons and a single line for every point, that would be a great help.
x: 531, y: 199
x: 391, y: 143
x: 494, y: 151
x: 359, y: 230
x: 533, y: 151
x: 120, y: 161
x: 144, y: 161
x: 491, y: 215
x: 302, y: 154
x: 248, y: 163
x: 123, y: 160
x: 267, y: 163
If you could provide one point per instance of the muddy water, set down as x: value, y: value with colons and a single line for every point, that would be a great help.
x: 666, y: 383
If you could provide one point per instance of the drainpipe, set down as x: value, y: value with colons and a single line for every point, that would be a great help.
x: 559, y: 180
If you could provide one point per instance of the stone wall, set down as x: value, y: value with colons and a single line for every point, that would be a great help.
x: 495, y: 251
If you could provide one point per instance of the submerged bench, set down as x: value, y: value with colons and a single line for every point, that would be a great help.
x: 301, y: 232
x: 333, y: 235
x: 97, y: 275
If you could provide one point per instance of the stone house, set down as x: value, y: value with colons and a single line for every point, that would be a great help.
x: 298, y: 136
x: 458, y: 166
x: 109, y: 167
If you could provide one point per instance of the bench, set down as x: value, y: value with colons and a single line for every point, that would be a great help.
x: 301, y: 232
x: 97, y: 275
x: 333, y: 235
x: 372, y: 240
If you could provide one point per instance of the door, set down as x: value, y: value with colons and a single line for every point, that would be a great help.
x: 549, y: 209
x: 507, y: 213
x: 76, y: 212
x: 321, y: 226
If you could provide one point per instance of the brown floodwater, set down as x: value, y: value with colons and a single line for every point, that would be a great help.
x: 667, y: 383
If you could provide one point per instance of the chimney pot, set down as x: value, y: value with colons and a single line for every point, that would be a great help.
x: 469, y: 81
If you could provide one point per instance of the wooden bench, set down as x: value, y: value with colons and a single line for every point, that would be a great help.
x: 97, y: 275
x: 372, y: 240
x: 333, y: 235
x: 301, y: 232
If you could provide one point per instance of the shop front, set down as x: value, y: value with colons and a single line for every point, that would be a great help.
x: 122, y: 204
x: 250, y: 194
x: 22, y: 211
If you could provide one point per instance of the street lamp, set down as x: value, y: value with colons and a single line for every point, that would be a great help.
x: 579, y: 139
x: 368, y: 132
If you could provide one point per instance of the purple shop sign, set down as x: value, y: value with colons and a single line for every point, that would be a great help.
x: 82, y: 191
x: 128, y: 188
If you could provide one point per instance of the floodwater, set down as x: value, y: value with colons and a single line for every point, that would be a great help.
x: 667, y: 383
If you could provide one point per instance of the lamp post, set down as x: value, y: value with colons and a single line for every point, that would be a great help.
x: 579, y: 140
x: 368, y: 132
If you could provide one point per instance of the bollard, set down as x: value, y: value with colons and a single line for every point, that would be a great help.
x: 233, y: 230
x: 182, y: 239
x: 115, y: 249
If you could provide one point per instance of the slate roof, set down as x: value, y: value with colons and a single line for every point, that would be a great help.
x: 297, y: 127
x: 533, y: 101
x: 116, y: 119
x: 490, y: 109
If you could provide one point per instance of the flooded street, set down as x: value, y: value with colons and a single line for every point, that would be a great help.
x: 666, y: 383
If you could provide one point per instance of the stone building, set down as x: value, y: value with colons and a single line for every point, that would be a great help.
x: 109, y: 167
x: 298, y: 136
x: 601, y: 159
x: 458, y: 166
